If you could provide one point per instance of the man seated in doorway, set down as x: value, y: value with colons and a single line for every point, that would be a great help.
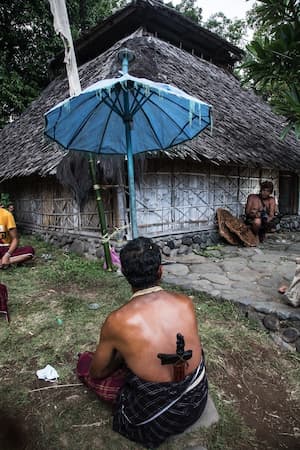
x: 9, y: 251
x: 158, y: 390
x: 260, y: 210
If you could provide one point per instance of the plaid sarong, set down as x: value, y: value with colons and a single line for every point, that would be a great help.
x: 3, y: 301
x: 142, y: 401
x: 28, y: 250
x: 106, y: 388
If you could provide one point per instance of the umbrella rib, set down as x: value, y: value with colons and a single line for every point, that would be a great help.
x: 84, y: 122
x: 188, y: 138
x: 111, y: 104
x: 105, y: 128
x: 135, y: 100
x: 113, y: 108
x: 148, y: 98
x: 139, y: 106
x: 137, y: 103
x: 167, y: 115
x: 187, y: 123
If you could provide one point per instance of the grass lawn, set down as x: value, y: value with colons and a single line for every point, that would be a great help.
x: 255, y: 386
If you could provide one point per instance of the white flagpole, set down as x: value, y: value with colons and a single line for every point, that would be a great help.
x: 62, y: 27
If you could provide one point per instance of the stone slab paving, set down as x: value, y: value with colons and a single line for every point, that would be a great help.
x: 246, y: 276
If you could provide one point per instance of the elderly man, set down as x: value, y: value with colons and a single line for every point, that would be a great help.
x: 9, y: 251
x: 260, y: 210
x: 158, y: 389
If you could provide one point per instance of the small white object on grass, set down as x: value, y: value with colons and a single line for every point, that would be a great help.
x: 48, y: 373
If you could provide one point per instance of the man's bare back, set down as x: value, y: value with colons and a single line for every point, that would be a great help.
x: 148, y: 325
x: 149, y: 357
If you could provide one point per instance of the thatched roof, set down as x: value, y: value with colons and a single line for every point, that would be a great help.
x: 160, y: 21
x: 245, y: 133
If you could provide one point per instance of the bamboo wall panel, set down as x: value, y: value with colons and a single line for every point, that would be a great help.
x: 154, y: 203
x: 167, y: 201
x: 182, y: 202
x: 42, y: 203
x: 191, y: 200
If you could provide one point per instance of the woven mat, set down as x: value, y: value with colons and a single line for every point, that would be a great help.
x: 234, y: 230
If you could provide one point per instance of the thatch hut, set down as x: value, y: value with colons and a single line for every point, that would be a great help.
x: 179, y: 190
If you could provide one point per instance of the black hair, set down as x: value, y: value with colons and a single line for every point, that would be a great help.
x: 140, y: 261
x: 267, y: 185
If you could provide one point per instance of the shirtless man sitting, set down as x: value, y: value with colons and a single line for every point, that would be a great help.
x: 136, y: 362
x: 260, y: 210
x: 9, y: 251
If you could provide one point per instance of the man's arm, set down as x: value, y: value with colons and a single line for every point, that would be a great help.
x: 251, y: 209
x: 271, y: 209
x: 12, y: 247
x: 106, y: 358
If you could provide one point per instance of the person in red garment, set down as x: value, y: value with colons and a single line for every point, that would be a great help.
x: 9, y: 251
x: 158, y: 388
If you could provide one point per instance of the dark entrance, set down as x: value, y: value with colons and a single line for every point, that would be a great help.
x: 288, y: 193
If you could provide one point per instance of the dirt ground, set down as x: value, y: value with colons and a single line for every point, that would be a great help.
x: 263, y: 401
x: 246, y: 371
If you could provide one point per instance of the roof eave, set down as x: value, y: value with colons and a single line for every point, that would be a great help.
x: 162, y: 21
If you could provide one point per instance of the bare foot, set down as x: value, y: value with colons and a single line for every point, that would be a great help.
x: 282, y: 289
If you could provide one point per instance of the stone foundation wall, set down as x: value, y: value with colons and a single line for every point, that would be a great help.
x: 290, y: 223
x: 182, y: 244
x: 91, y: 247
x: 88, y: 246
x: 178, y: 244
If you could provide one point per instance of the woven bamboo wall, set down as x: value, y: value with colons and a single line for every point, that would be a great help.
x: 172, y: 197
x: 186, y: 200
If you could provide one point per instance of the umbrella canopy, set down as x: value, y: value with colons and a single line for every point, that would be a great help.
x: 126, y: 116
x: 160, y: 116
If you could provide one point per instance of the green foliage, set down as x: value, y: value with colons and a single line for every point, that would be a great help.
x: 25, y: 37
x: 188, y: 8
x: 84, y: 14
x: 272, y: 65
x: 232, y: 30
x: 4, y: 200
x: 28, y: 42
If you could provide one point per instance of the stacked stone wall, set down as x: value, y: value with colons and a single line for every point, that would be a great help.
x: 91, y: 247
x: 290, y: 223
x: 171, y: 245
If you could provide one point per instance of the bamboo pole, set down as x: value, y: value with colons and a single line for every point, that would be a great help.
x: 101, y: 213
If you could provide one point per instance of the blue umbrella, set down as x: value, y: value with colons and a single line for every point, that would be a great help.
x: 126, y: 116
